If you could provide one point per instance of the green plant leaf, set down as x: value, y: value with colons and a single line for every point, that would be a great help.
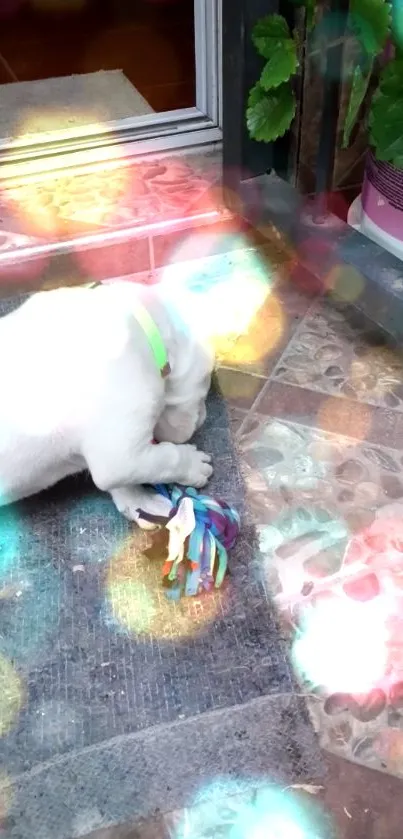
x: 359, y: 88
x: 387, y: 139
x: 388, y: 147
x: 386, y: 114
x: 370, y: 20
x: 391, y: 77
x: 281, y: 65
x: 270, y: 114
x: 269, y: 34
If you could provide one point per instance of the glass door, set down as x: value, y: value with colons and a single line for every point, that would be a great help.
x: 103, y: 78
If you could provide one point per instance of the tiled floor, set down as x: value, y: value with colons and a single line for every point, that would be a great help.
x: 319, y: 423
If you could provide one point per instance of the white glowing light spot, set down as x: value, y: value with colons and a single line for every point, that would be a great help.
x: 343, y: 645
x: 221, y: 304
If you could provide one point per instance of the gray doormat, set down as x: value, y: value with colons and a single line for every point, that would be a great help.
x: 39, y: 107
x: 115, y: 703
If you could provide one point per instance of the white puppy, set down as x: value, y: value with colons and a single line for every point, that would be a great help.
x: 83, y: 387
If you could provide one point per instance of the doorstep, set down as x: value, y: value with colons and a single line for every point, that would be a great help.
x: 124, y: 220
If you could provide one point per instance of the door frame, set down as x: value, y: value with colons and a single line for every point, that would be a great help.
x: 258, y: 186
x: 152, y: 133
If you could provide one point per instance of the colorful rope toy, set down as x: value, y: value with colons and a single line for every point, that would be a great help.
x: 201, y: 532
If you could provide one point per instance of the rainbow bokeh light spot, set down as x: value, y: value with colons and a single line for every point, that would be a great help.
x: 232, y: 304
x: 234, y: 809
x: 135, y: 601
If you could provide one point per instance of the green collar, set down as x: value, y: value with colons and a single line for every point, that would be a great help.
x: 154, y: 338
x: 152, y: 334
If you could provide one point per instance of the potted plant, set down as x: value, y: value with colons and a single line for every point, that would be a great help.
x: 377, y: 33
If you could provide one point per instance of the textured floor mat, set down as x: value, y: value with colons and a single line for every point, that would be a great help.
x: 114, y: 702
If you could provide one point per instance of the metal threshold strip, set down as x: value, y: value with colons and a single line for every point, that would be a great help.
x: 109, y: 237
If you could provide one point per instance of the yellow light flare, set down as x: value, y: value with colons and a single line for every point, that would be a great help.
x: 39, y: 121
x: 238, y: 388
x: 11, y: 695
x: 53, y: 204
x: 345, y: 283
x: 136, y: 599
x: 67, y: 204
x: 257, y: 334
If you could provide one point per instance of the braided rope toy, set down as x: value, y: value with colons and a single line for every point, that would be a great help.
x: 201, y: 532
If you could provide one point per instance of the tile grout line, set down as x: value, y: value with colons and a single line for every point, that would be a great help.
x: 340, y: 396
x: 242, y: 372
x: 269, y: 378
x: 151, y: 254
x: 325, y: 431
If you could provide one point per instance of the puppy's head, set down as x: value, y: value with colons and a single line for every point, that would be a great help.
x: 185, y: 401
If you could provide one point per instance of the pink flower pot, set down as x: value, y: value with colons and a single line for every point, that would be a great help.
x: 382, y: 203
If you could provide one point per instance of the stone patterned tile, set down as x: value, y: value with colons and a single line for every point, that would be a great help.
x: 336, y: 414
x: 337, y: 351
x: 305, y: 481
x: 329, y: 512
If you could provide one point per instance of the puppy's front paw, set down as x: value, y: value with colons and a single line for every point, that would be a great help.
x: 132, y: 501
x: 198, y: 468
